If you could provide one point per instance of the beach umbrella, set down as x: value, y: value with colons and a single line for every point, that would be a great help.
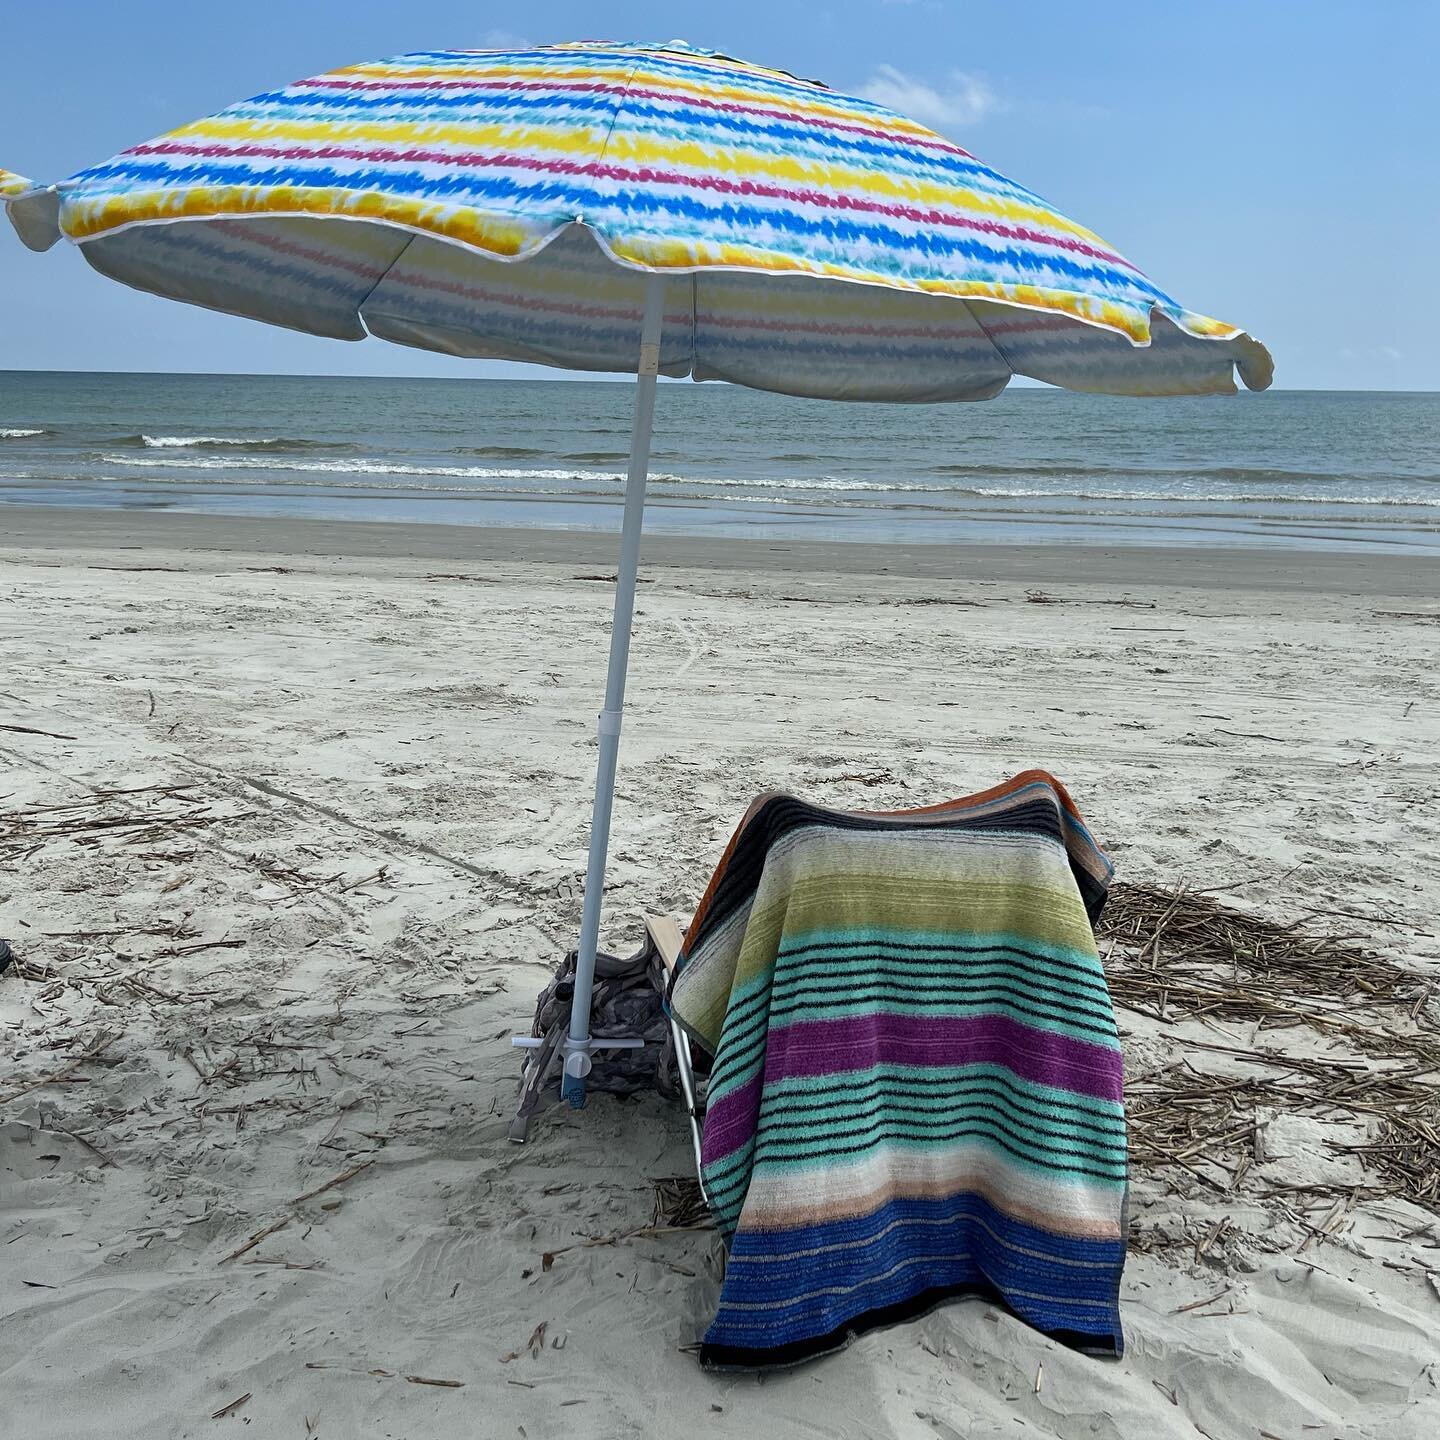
x: 648, y: 208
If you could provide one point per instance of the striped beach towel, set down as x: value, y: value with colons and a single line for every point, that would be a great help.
x: 917, y: 1083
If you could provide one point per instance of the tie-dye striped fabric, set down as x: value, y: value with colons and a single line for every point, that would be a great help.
x: 508, y: 203
x: 917, y: 1084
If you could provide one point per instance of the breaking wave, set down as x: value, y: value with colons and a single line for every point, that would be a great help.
x: 228, y: 442
x: 498, y: 452
x: 374, y: 473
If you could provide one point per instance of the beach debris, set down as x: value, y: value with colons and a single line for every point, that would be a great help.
x: 231, y: 1408
x: 1202, y: 1304
x: 678, y: 1208
x: 101, y: 1043
x: 30, y: 730
x: 1181, y: 955
x: 105, y: 815
x: 383, y: 1374
x: 142, y: 569
x: 679, y: 1205
x: 340, y: 1179
x: 256, y: 1238
x: 937, y: 600
x: 94, y: 1149
x: 1044, y: 597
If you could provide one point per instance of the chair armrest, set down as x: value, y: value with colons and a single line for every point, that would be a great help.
x: 666, y: 936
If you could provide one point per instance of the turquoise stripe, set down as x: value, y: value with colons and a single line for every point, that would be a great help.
x: 915, y: 1114
x: 1045, y: 1095
x: 1052, y: 1171
x: 1085, y: 961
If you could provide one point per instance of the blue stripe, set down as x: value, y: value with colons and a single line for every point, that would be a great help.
x: 308, y: 281
x: 903, y: 1249
x: 511, y: 319
x: 484, y: 107
x: 898, y: 250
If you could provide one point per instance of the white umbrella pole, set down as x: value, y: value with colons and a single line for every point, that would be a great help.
x: 577, y: 1048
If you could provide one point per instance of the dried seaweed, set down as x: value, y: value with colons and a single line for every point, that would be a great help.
x: 679, y: 1204
x: 1181, y: 955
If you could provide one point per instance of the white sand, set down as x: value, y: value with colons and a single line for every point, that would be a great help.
x: 387, y: 773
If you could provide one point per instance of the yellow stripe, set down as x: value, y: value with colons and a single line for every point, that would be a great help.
x: 642, y: 150
x: 496, y: 236
x: 485, y: 232
x: 507, y: 139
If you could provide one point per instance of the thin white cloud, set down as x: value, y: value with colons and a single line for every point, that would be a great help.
x: 503, y: 40
x: 961, y: 99
x: 1371, y: 353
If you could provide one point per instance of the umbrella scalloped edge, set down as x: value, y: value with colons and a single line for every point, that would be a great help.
x: 36, y: 213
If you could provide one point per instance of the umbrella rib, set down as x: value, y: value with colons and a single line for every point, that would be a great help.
x: 381, y: 278
x: 991, y: 341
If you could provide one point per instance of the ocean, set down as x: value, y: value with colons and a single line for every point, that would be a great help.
x: 1299, y: 469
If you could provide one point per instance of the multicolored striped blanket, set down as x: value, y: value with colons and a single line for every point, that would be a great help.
x: 917, y: 1084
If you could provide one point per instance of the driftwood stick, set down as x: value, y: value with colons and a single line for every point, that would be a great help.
x: 256, y: 1238
x: 331, y: 1184
x: 60, y: 1074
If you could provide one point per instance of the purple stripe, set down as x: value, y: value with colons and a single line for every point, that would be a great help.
x: 822, y: 1047
x: 730, y: 1121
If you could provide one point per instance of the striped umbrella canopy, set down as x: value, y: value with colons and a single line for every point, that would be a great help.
x: 647, y: 208
x: 582, y: 168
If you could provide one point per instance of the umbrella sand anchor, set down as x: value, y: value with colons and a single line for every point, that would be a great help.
x: 578, y: 1044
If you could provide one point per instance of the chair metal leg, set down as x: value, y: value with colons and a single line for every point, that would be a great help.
x: 686, y: 1066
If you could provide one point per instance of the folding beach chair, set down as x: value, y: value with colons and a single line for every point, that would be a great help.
x: 917, y: 1084
x: 666, y: 938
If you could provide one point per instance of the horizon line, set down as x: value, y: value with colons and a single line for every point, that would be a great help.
x: 571, y: 377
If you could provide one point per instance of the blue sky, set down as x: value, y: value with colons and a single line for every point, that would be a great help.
x: 1272, y: 162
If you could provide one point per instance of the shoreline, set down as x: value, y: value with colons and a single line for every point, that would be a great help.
x: 28, y: 529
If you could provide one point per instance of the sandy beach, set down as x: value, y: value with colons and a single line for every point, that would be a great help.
x: 294, y: 824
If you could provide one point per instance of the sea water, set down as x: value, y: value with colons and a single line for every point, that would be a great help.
x: 1299, y: 468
